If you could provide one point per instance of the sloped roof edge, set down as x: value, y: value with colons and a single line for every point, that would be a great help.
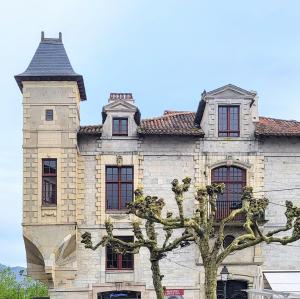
x: 233, y: 87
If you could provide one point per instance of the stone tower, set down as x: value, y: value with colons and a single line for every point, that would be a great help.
x: 52, y: 92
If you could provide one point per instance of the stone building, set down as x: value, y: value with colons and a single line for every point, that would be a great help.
x: 77, y: 176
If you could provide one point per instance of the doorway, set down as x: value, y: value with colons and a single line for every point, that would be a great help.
x: 233, y: 289
x: 120, y: 295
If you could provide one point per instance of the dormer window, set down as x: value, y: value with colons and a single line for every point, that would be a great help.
x: 120, y: 126
x: 229, y: 121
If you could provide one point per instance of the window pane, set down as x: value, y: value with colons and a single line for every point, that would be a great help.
x: 49, y: 166
x: 126, y: 174
x: 49, y: 190
x: 222, y: 118
x: 124, y: 126
x: 223, y: 134
x: 236, y: 134
x: 111, y: 258
x: 127, y: 261
x: 220, y: 174
x: 112, y: 196
x: 116, y: 124
x: 112, y: 174
x: 234, y: 118
x: 126, y: 194
x: 53, y: 166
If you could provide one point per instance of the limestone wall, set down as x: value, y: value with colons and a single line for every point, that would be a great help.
x: 282, y: 171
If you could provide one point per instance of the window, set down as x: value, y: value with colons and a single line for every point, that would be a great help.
x: 49, y: 173
x: 229, y: 121
x: 120, y: 126
x: 119, y: 187
x: 228, y: 240
x: 234, y: 179
x: 117, y: 261
x: 49, y: 114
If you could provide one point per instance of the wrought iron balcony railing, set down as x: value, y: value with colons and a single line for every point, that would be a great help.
x: 224, y: 208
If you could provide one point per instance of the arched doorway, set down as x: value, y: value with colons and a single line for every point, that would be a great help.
x: 120, y: 295
x: 233, y: 289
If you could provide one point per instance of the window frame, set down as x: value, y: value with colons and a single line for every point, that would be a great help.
x: 228, y: 122
x: 51, y: 115
x: 228, y: 181
x: 119, y: 182
x: 119, y: 256
x: 44, y: 202
x: 119, y: 132
x: 229, y: 203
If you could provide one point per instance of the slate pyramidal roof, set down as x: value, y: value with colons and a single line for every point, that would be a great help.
x: 51, y: 63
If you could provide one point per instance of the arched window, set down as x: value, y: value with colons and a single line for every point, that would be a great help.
x: 234, y: 179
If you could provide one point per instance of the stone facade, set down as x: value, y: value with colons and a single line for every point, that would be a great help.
x: 52, y: 234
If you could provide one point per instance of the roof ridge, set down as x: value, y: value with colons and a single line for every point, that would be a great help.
x: 168, y: 115
x: 99, y: 125
x: 166, y: 112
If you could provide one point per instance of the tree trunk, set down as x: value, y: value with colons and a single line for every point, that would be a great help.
x: 210, y: 280
x: 157, y: 278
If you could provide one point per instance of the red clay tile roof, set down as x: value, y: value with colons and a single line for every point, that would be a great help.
x: 277, y: 127
x: 182, y: 123
x: 90, y: 130
x: 171, y: 123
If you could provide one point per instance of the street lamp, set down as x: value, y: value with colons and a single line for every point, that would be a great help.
x: 224, y: 277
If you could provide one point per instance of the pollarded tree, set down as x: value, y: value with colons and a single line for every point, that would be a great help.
x: 150, y: 209
x: 202, y: 229
x: 252, y: 211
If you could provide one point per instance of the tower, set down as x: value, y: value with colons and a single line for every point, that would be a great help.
x: 52, y: 92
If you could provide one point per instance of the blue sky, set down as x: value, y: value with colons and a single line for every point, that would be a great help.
x: 164, y: 52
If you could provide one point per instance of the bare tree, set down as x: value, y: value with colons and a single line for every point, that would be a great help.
x: 201, y: 228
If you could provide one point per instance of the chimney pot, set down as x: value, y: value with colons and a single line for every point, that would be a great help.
x: 116, y: 96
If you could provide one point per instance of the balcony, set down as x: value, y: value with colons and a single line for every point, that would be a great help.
x: 225, y: 207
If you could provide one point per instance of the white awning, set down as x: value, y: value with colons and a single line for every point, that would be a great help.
x: 269, y: 294
x: 284, y: 281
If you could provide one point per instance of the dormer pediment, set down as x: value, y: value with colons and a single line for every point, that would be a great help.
x: 120, y: 117
x: 230, y: 91
x: 121, y: 106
